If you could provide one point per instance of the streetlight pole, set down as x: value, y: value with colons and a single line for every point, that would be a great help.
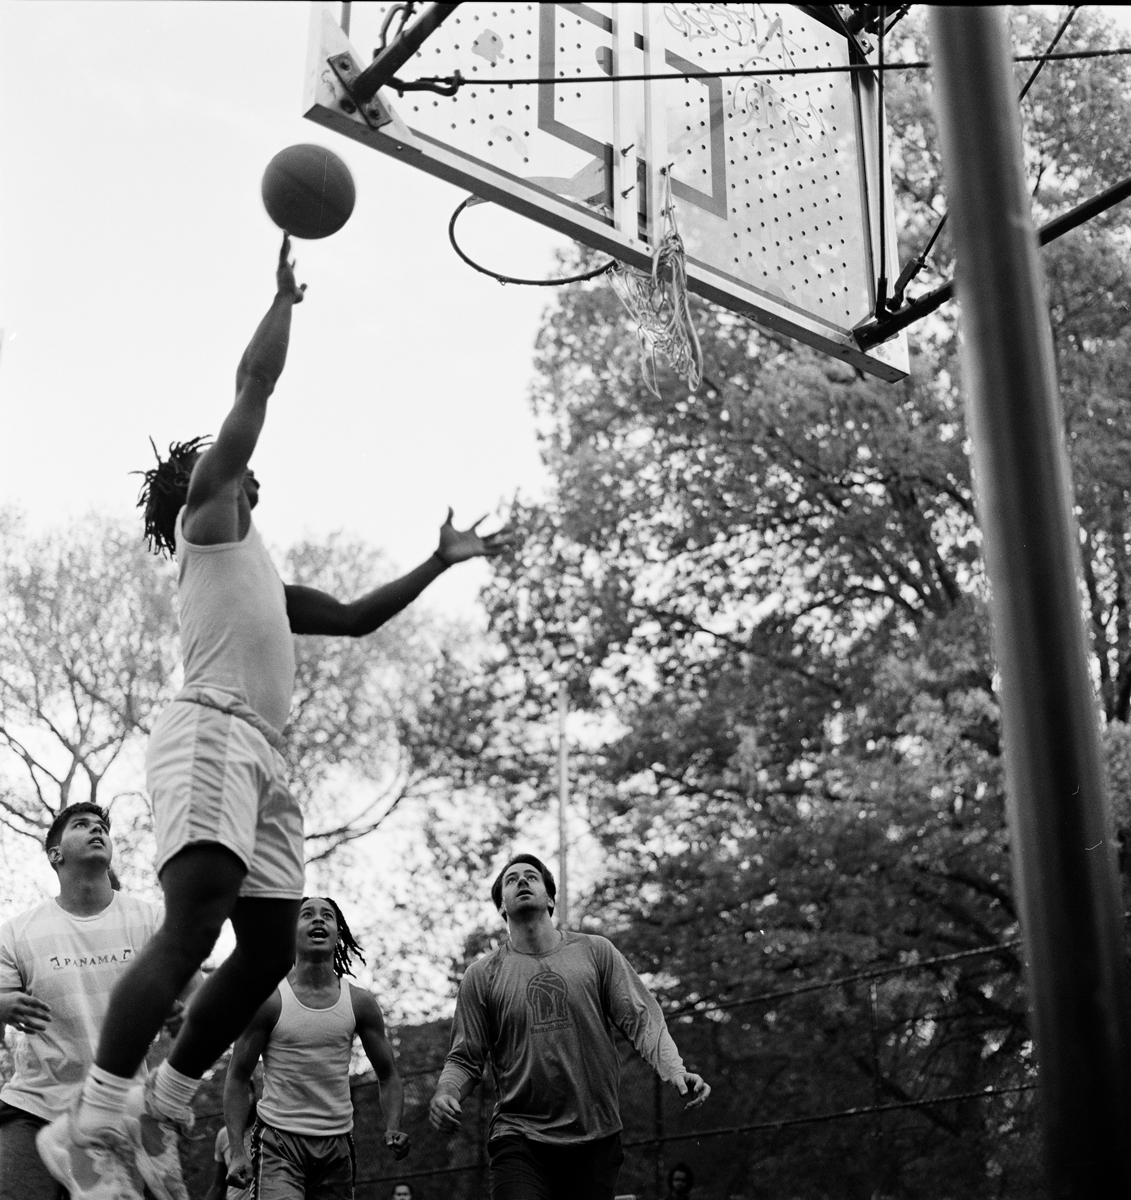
x: 562, y: 906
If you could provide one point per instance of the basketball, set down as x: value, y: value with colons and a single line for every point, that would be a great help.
x: 308, y: 191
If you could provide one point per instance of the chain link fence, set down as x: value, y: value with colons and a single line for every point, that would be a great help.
x: 911, y: 1082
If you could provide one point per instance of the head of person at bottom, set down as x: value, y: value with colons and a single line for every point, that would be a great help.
x: 403, y: 1191
x: 78, y: 841
x: 681, y: 1179
x: 322, y: 932
x: 524, y: 891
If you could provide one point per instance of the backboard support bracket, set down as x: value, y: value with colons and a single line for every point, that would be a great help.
x: 389, y: 60
x: 348, y: 72
x: 361, y: 85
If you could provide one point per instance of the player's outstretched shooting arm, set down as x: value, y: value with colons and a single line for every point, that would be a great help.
x: 312, y: 611
x: 218, y: 507
x: 222, y: 490
x: 375, y: 1043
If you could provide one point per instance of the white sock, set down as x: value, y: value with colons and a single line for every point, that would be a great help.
x: 173, y: 1092
x: 103, y: 1100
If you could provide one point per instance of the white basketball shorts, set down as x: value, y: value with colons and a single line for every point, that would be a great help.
x: 214, y: 779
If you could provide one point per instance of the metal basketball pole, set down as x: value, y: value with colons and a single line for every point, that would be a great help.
x: 1066, y: 880
x: 562, y: 906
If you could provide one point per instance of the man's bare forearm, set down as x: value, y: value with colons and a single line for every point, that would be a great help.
x: 266, y: 353
x: 237, y: 1108
x: 378, y: 606
x: 392, y: 1101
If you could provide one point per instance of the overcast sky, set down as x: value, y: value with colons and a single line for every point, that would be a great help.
x: 136, y: 260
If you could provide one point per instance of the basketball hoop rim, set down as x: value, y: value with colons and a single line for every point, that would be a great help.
x: 470, y: 200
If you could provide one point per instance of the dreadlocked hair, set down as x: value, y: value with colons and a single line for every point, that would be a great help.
x: 347, y: 946
x: 163, y: 492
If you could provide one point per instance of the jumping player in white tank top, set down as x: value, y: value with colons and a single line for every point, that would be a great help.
x: 229, y: 833
x: 301, y: 1145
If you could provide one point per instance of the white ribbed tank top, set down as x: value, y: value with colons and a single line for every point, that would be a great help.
x: 306, y: 1067
x: 235, y: 635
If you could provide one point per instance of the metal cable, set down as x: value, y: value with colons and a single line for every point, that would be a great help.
x: 461, y: 81
x: 916, y: 265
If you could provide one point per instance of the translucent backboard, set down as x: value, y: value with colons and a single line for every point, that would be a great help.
x: 775, y: 179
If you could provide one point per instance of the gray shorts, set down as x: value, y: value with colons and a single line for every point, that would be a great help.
x: 296, y: 1166
x: 22, y: 1173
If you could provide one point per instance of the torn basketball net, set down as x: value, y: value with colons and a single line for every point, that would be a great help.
x: 658, y: 303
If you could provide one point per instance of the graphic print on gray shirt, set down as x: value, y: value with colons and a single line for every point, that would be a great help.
x: 545, y: 1024
x: 548, y: 997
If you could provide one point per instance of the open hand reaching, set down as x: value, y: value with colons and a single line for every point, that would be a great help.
x: 285, y: 274
x: 458, y: 545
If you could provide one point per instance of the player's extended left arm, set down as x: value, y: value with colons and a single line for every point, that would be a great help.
x: 375, y: 1043
x: 312, y: 611
x: 639, y: 1017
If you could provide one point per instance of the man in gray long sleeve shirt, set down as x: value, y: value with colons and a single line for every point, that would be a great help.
x: 542, y: 1009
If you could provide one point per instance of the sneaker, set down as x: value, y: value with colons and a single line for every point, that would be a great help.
x: 154, y: 1139
x: 89, y: 1169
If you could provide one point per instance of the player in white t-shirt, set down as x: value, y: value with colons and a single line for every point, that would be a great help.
x: 59, y: 963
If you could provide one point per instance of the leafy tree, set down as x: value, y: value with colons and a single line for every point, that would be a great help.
x: 777, y: 599
x: 88, y: 655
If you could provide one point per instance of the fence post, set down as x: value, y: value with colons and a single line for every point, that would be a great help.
x: 877, y: 1095
x: 658, y: 1132
x: 481, y: 1148
x: 1060, y: 828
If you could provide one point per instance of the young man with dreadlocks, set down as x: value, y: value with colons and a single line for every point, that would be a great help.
x: 301, y: 1147
x: 229, y: 833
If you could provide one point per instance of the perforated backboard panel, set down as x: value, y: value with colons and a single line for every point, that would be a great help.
x: 775, y: 179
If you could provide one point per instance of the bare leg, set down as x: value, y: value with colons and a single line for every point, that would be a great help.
x: 201, y: 886
x: 221, y: 1010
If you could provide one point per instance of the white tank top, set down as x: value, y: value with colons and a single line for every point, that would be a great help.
x: 235, y: 636
x: 306, y: 1067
